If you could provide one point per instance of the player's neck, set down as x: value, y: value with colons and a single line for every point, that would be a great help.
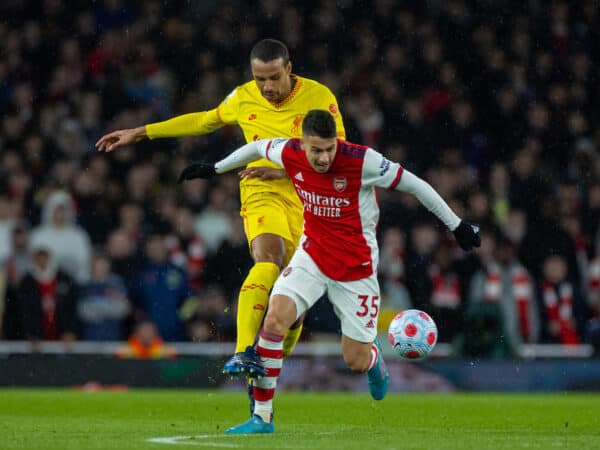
x: 285, y: 98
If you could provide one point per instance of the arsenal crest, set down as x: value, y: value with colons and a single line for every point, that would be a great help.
x: 340, y: 184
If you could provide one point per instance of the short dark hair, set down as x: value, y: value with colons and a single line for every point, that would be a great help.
x: 270, y: 49
x: 319, y: 122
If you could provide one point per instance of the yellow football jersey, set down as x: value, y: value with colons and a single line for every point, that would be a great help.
x: 259, y: 119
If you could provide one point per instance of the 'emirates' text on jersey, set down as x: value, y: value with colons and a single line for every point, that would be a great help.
x: 340, y: 206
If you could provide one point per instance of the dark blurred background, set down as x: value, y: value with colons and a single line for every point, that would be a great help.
x: 495, y: 103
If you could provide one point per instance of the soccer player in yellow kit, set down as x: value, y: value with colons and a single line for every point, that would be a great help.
x: 272, y: 105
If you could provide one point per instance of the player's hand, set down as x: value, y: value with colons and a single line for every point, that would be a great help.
x: 197, y: 170
x: 467, y: 236
x: 119, y: 138
x: 263, y: 173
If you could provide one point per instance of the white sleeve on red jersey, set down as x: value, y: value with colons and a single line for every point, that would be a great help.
x: 273, y: 150
x: 428, y: 196
x: 379, y: 171
x: 270, y: 149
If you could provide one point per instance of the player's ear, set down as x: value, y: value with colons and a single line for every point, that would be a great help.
x: 288, y: 67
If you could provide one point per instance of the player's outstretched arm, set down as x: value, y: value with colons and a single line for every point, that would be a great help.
x: 120, y: 138
x: 466, y: 234
x: 192, y: 124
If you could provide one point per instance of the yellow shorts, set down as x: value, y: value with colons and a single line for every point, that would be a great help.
x: 266, y: 213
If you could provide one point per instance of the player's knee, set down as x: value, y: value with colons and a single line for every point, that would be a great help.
x: 269, y: 248
x: 271, y: 256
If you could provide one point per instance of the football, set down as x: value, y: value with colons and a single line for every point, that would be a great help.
x: 413, y: 334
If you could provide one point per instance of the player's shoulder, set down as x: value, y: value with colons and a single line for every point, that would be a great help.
x: 314, y: 85
x: 286, y: 143
x: 351, y: 149
x: 247, y: 89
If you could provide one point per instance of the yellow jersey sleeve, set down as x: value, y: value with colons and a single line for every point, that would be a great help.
x: 192, y: 124
x: 198, y: 123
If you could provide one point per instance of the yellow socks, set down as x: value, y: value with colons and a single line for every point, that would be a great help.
x: 291, y: 339
x: 252, y: 306
x: 252, y: 302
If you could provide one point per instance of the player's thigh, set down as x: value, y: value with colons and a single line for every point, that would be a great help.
x: 295, y: 218
x: 302, y: 281
x: 265, y: 214
x: 356, y: 303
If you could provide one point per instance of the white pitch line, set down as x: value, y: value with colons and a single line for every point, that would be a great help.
x: 191, y: 440
x: 199, y: 440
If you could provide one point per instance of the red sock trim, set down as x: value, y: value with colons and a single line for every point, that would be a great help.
x: 268, y: 353
x: 374, y: 356
x: 263, y: 395
x: 271, y: 336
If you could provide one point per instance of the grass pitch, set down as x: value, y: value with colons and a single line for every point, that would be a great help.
x: 65, y: 420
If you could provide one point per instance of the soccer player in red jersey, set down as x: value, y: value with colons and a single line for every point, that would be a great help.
x: 338, y: 251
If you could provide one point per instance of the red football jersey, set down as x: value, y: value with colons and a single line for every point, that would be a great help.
x: 340, y: 207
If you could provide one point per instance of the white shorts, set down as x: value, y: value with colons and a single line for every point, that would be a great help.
x: 356, y: 303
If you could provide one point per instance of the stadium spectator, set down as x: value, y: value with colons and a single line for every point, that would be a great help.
x: 186, y: 248
x: 7, y: 221
x: 391, y: 271
x: 70, y: 245
x: 505, y: 282
x: 446, y: 303
x: 212, y: 224
x: 592, y: 327
x: 102, y: 303
x: 121, y: 251
x: 562, y: 308
x: 146, y: 343
x: 206, y: 316
x: 233, y: 250
x: 160, y: 288
x: 47, y: 300
x: 13, y: 271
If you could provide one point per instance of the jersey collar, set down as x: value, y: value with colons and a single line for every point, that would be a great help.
x: 291, y: 95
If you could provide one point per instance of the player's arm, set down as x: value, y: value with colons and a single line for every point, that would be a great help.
x: 270, y: 149
x: 379, y: 171
x: 192, y: 124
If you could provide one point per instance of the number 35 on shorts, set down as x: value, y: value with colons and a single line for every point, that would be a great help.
x: 369, y: 305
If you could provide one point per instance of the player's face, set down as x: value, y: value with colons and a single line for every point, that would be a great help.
x: 319, y: 152
x: 272, y: 78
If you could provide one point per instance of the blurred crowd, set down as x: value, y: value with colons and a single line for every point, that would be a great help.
x: 495, y: 103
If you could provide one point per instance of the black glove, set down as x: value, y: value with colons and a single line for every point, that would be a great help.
x: 197, y: 170
x: 467, y: 236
